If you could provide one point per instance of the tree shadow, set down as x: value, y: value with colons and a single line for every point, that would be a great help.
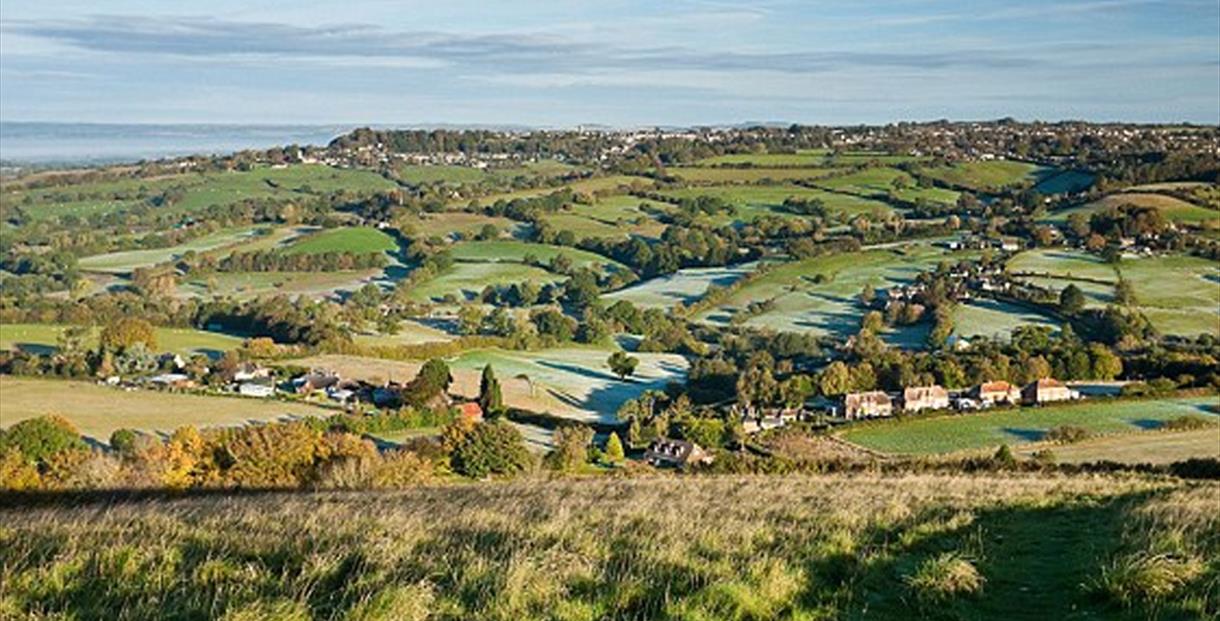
x: 1025, y: 435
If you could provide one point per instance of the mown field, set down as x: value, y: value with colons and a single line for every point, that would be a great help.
x: 346, y: 239
x: 179, y: 340
x: 469, y: 279
x: 950, y: 433
x: 1171, y: 208
x: 245, y: 285
x: 128, y: 260
x: 995, y: 319
x: 988, y: 175
x: 497, y: 251
x: 753, y: 201
x: 99, y: 410
x: 685, y: 286
x: 1160, y: 447
x: 705, y: 548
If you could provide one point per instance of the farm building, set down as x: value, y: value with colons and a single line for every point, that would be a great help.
x: 248, y: 371
x: 666, y: 453
x: 867, y: 405
x: 918, y: 398
x: 1047, y: 390
x: 991, y: 393
x: 471, y: 411
x: 307, y: 384
x: 254, y: 389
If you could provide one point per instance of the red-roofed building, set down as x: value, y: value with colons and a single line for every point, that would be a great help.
x: 471, y: 411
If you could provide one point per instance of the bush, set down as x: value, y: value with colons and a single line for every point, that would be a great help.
x: 492, y: 448
x: 1066, y: 434
x: 945, y: 577
x: 123, y: 441
x: 1187, y: 423
x: 614, y: 453
x: 571, y: 447
x: 38, y: 439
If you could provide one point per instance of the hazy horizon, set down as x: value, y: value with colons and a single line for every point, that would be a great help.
x: 622, y: 64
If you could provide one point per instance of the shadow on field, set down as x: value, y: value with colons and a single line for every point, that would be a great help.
x: 1039, y: 563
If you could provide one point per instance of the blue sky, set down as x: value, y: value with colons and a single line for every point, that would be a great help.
x: 558, y: 63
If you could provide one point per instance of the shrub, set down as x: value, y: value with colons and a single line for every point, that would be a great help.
x: 1066, y: 434
x: 123, y: 441
x: 492, y: 448
x: 16, y: 472
x: 1187, y: 423
x: 945, y: 577
x: 571, y: 447
x: 1147, y: 577
x: 614, y: 450
x: 38, y: 439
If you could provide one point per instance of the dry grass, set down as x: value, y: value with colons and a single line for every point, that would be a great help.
x: 642, y: 548
x: 97, y: 410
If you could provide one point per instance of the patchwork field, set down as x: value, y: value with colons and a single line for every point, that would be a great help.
x: 44, y: 337
x: 461, y: 222
x: 346, y: 239
x: 609, y: 184
x: 951, y: 433
x: 409, y: 333
x: 99, y: 410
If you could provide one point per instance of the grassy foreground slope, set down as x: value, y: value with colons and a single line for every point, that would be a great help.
x: 724, y: 548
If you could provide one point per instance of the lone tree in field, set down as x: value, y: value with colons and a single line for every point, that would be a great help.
x: 614, y: 450
x: 622, y: 365
x: 125, y: 332
x: 1071, y: 300
x: 490, y: 397
x: 1124, y: 293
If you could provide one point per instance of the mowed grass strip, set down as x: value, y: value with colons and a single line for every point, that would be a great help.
x: 951, y: 433
x: 360, y: 239
x: 99, y: 410
x: 178, y: 340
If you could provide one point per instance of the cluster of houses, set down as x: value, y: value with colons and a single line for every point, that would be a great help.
x: 876, y: 403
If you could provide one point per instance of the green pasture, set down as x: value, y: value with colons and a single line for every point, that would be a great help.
x: 577, y: 381
x: 755, y: 201
x: 516, y: 251
x: 128, y: 260
x: 44, y: 337
x: 469, y: 279
x: 346, y: 239
x: 983, y: 430
x: 684, y: 286
x: 1171, y: 208
x: 988, y: 175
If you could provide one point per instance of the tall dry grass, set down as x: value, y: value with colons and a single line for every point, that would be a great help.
x: 739, y: 547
